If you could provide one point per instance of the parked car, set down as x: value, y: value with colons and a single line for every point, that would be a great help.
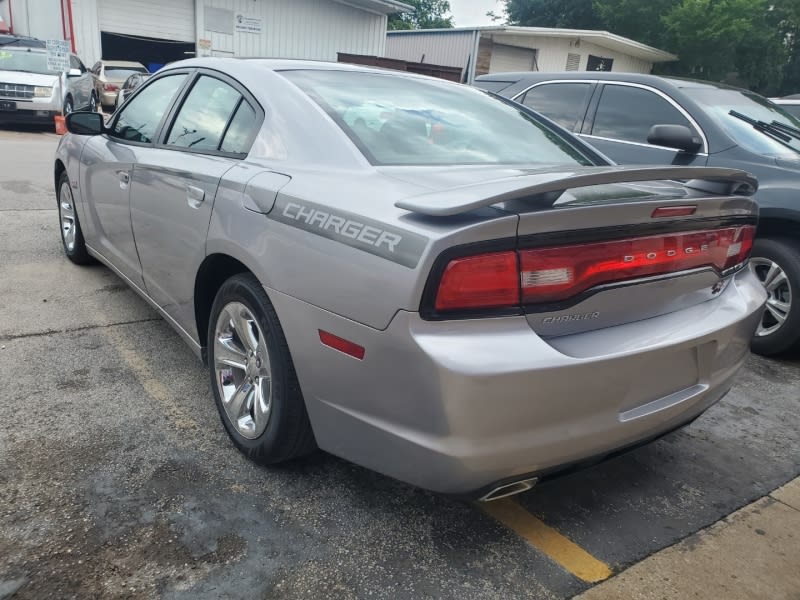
x: 465, y: 297
x: 31, y: 93
x: 109, y: 76
x: 790, y: 105
x: 644, y: 119
x: 131, y: 83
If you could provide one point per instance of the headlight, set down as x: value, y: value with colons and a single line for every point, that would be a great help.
x: 42, y: 92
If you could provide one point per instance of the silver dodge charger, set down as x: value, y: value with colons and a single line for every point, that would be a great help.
x: 411, y: 274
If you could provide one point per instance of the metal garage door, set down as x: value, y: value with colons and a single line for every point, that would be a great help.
x: 172, y: 20
x: 512, y: 58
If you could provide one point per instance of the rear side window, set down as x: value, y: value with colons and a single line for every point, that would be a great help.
x: 140, y: 117
x: 204, y: 116
x: 241, y: 130
x: 628, y: 113
x: 564, y: 103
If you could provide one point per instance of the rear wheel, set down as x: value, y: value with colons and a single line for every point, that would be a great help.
x: 776, y: 264
x: 252, y: 376
x: 68, y: 106
x: 71, y: 234
x: 93, y: 103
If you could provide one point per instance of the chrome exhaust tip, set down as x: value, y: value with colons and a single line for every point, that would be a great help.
x: 510, y: 489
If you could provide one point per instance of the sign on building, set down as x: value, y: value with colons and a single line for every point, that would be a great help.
x: 58, y: 55
x: 248, y: 24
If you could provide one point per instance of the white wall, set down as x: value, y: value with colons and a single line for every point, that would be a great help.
x: 36, y: 18
x: 451, y: 49
x: 87, y: 30
x: 308, y: 29
x: 553, y: 53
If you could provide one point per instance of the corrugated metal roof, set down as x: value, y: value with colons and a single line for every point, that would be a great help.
x: 601, y: 38
x: 384, y: 7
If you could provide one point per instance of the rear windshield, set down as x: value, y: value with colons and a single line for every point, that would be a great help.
x: 123, y: 72
x: 398, y: 120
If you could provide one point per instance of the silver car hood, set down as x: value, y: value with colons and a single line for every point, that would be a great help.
x: 23, y: 78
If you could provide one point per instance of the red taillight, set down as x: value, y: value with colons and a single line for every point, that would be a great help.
x: 482, y: 281
x: 554, y: 274
x: 110, y: 87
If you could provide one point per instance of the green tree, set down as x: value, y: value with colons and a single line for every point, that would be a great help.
x: 640, y: 20
x: 571, y: 14
x: 427, y: 14
x: 736, y: 40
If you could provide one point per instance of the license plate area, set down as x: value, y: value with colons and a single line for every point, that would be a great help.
x: 8, y: 105
x: 660, y: 375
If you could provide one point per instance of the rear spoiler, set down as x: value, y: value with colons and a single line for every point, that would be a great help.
x: 544, y: 188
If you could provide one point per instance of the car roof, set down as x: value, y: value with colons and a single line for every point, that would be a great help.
x: 643, y: 78
x: 123, y: 63
x: 21, y: 41
x: 286, y: 64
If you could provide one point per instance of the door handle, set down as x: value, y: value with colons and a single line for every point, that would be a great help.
x: 124, y: 179
x: 195, y: 196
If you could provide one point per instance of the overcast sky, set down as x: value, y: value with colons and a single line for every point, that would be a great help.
x: 473, y: 12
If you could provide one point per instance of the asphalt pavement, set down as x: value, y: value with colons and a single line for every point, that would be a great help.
x: 117, y: 479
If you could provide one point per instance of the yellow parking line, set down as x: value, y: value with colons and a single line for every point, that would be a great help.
x: 546, y: 539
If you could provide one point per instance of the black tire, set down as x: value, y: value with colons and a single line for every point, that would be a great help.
x: 93, y: 103
x: 76, y: 250
x: 68, y: 106
x: 288, y: 432
x: 785, y: 253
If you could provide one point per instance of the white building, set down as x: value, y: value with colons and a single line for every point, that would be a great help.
x: 160, y: 31
x: 505, y: 48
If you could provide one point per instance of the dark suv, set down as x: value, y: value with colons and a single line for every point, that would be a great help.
x: 644, y: 119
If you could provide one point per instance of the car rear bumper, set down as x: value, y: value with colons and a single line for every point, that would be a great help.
x: 108, y: 98
x: 457, y: 406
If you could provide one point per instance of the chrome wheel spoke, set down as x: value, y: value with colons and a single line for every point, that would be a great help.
x: 777, y: 280
x: 779, y: 305
x: 226, y: 353
x: 776, y: 314
x: 262, y: 404
x: 245, y: 329
x: 238, y: 403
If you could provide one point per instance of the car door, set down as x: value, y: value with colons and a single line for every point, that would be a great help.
x: 621, y: 119
x: 81, y: 86
x: 174, y: 185
x: 107, y: 171
x: 565, y: 102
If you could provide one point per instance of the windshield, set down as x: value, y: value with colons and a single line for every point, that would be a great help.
x: 122, y: 73
x: 719, y: 102
x: 404, y: 121
x: 23, y: 60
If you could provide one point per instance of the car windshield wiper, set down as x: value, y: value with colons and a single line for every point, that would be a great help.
x: 778, y: 132
x: 787, y: 129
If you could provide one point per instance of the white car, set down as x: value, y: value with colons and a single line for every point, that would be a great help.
x: 31, y: 93
x: 791, y: 104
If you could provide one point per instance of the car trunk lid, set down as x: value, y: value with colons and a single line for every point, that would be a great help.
x: 600, y: 247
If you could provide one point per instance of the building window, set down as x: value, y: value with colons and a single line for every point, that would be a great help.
x: 598, y: 63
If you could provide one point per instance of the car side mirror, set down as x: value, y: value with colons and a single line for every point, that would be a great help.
x: 74, y: 73
x: 85, y: 123
x: 679, y: 137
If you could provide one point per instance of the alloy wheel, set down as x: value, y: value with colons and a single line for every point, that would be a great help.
x: 242, y: 369
x: 779, y: 294
x: 66, y: 213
